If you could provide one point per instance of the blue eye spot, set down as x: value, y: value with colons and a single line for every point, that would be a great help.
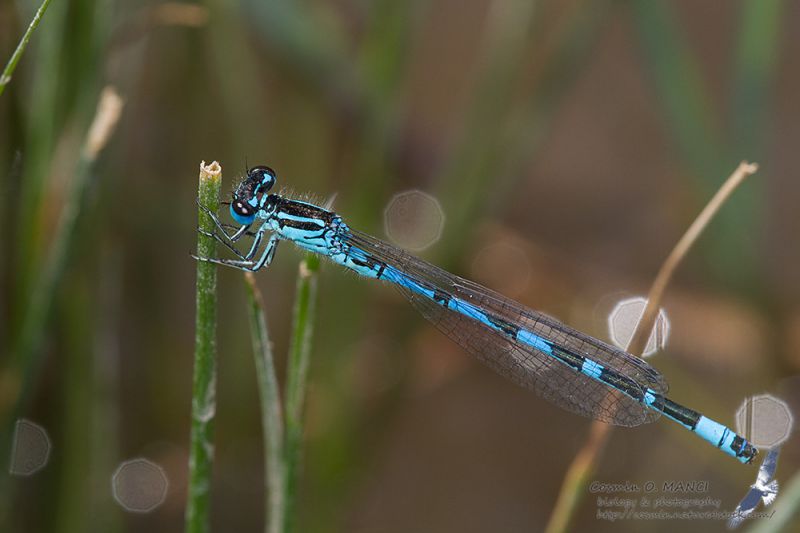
x: 242, y: 213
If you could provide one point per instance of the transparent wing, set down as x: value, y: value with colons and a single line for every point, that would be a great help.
x: 523, y: 364
x: 768, y: 467
x: 750, y: 501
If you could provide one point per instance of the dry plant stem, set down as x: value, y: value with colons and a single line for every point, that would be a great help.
x: 201, y: 447
x: 577, y: 477
x: 584, y: 463
x: 11, y: 66
x: 642, y: 334
x: 271, y: 412
x: 297, y: 373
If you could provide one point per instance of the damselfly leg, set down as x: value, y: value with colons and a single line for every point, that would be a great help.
x: 221, y: 226
x: 246, y: 264
x: 223, y: 242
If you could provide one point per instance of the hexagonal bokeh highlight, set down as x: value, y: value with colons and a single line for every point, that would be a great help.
x: 624, y: 318
x: 139, y: 485
x: 413, y: 220
x: 764, y: 420
x: 30, y: 448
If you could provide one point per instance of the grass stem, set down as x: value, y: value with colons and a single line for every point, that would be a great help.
x: 11, y: 66
x: 297, y: 372
x: 201, y: 448
x: 271, y: 415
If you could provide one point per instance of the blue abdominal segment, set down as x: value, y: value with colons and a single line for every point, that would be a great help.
x: 720, y: 436
x: 712, y: 432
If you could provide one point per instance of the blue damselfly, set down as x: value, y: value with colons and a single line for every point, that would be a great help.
x: 571, y: 369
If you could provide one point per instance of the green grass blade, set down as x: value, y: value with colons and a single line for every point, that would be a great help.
x: 201, y: 447
x: 680, y: 86
x: 501, y: 58
x: 299, y: 352
x: 27, y: 353
x: 499, y: 139
x: 27, y: 356
x: 271, y: 416
x: 697, y: 131
x: 757, y: 58
x: 108, y: 112
x: 314, y: 44
x: 43, y: 124
x: 11, y: 66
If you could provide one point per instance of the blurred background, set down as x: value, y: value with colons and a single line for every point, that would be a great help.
x: 560, y: 150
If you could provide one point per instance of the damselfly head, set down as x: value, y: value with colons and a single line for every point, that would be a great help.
x: 248, y: 196
x: 263, y: 176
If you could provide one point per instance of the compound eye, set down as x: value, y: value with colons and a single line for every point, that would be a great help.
x: 242, y: 212
x: 264, y: 176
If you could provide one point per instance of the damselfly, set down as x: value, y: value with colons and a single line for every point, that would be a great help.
x: 571, y: 369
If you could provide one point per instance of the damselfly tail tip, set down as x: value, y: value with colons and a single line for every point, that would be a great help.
x: 750, y: 453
